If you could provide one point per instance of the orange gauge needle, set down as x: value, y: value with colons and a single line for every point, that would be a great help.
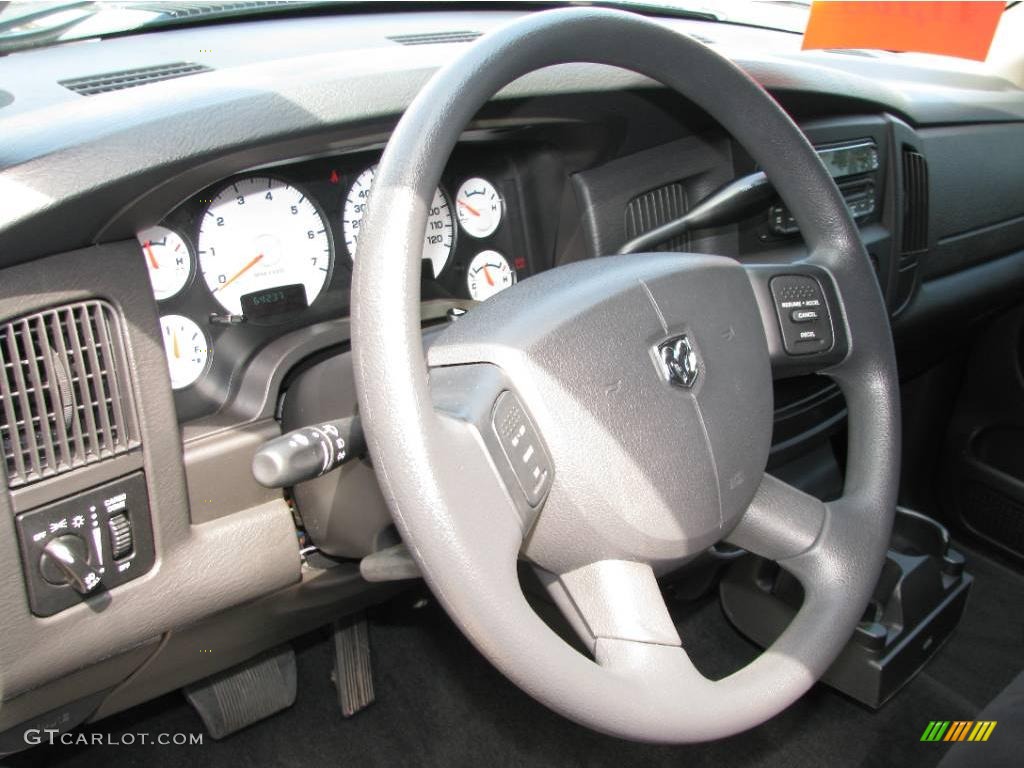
x: 239, y: 273
x: 468, y: 207
x: 149, y: 252
x: 177, y: 351
x: 487, y: 274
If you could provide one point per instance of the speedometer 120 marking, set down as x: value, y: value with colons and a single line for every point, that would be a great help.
x: 439, y: 241
x: 262, y: 233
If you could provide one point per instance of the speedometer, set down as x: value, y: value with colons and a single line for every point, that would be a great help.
x: 439, y: 241
x: 261, y: 233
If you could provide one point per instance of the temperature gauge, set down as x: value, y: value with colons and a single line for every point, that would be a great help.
x: 187, y: 349
x: 489, y: 273
x: 479, y: 207
x: 168, y: 260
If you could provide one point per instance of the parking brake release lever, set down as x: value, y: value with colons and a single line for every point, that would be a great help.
x: 308, y: 453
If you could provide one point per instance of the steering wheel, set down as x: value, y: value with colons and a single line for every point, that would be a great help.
x: 609, y: 419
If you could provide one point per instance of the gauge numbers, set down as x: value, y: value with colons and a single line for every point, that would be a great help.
x: 489, y: 273
x: 187, y: 349
x: 479, y: 207
x: 439, y: 240
x: 262, y: 233
x: 168, y: 260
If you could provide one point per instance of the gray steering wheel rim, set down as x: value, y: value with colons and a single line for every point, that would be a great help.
x: 634, y: 691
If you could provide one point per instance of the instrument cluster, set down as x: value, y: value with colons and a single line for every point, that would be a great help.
x: 265, y: 252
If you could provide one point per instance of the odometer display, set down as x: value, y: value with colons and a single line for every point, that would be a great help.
x: 261, y: 233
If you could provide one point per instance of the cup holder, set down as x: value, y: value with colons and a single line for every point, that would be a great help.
x: 917, y: 603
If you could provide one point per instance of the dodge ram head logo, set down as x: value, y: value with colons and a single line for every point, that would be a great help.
x: 679, y: 361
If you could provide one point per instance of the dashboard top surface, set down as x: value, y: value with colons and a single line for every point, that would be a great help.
x: 328, y: 78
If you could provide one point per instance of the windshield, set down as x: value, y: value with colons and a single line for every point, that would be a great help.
x: 31, y: 23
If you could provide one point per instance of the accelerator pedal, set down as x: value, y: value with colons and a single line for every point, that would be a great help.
x: 238, y: 697
x: 353, y: 675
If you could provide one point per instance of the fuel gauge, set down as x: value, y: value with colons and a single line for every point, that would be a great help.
x: 187, y: 349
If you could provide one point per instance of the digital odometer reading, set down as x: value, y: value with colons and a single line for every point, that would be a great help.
x: 261, y: 233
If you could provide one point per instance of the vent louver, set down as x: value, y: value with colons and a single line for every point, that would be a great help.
x: 436, y: 38
x: 92, y: 85
x: 915, y: 204
x: 66, y: 398
x: 655, y: 208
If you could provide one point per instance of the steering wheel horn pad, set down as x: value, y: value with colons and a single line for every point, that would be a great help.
x: 649, y: 464
x: 645, y: 471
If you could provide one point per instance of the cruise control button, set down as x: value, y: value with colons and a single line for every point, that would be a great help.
x: 804, y: 315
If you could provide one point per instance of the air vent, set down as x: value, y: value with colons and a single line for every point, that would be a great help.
x: 66, y: 398
x: 915, y: 204
x: 130, y: 78
x: 436, y: 38
x: 655, y: 208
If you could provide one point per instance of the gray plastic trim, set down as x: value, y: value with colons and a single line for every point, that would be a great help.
x: 200, y: 569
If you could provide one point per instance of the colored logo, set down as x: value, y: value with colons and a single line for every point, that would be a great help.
x: 958, y: 730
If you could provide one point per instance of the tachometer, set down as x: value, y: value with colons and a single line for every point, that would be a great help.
x: 168, y: 260
x: 489, y: 273
x: 261, y: 233
x: 439, y: 241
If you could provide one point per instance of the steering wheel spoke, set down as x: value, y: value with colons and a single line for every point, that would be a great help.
x: 781, y: 521
x: 613, y: 600
x: 487, y: 419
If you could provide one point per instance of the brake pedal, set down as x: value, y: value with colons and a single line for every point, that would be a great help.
x: 353, y: 675
x: 238, y: 697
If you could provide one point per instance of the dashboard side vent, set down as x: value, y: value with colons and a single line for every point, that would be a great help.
x: 66, y: 396
x: 92, y: 85
x: 915, y: 204
x: 436, y: 38
x: 655, y: 208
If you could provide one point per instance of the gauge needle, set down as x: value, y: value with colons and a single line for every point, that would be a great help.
x: 177, y: 351
x: 468, y: 207
x: 149, y: 252
x: 487, y: 274
x: 239, y: 273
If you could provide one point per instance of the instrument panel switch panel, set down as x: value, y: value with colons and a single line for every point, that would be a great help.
x: 86, y: 544
x: 803, y: 314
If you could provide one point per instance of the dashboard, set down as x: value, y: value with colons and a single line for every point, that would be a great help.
x: 198, y: 234
x: 264, y: 252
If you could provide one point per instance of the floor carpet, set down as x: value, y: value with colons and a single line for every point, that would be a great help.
x: 439, y: 703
